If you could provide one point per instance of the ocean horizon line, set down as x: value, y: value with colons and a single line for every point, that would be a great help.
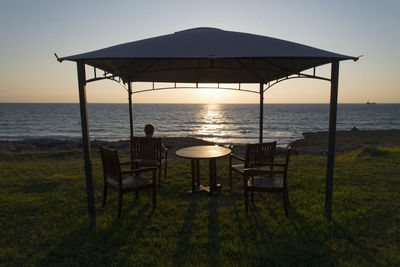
x: 180, y: 103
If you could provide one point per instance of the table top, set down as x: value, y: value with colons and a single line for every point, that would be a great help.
x: 203, y: 152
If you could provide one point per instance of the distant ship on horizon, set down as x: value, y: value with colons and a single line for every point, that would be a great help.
x: 370, y: 103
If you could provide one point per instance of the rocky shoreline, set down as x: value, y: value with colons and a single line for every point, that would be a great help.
x: 317, y: 142
x: 313, y: 143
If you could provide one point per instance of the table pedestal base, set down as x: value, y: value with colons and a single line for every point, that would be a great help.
x: 201, y: 188
x: 196, y: 186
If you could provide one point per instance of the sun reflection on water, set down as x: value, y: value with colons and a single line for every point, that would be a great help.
x: 211, y: 120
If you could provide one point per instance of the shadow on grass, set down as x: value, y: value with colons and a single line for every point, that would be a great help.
x: 186, y: 247
x: 101, y: 247
x: 270, y: 238
x: 184, y: 235
x: 213, y: 246
x: 264, y: 237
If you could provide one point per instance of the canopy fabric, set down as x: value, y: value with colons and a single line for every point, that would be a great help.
x: 207, y: 55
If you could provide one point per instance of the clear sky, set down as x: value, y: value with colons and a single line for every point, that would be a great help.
x: 31, y: 31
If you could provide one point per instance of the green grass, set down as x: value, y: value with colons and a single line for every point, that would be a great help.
x: 44, y: 216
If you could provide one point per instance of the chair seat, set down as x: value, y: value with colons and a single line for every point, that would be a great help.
x: 148, y: 162
x: 265, y: 183
x: 130, y: 182
x: 239, y: 168
x: 151, y: 162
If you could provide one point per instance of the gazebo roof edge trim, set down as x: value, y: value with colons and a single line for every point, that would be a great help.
x: 342, y: 58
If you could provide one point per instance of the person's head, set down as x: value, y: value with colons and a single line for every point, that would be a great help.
x: 149, y: 130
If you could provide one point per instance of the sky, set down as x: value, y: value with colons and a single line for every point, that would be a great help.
x: 32, y: 31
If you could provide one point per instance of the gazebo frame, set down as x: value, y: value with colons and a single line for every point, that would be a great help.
x: 331, y: 58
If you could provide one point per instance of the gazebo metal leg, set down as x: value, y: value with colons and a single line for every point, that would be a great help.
x: 130, y: 120
x: 261, y: 112
x: 331, y: 140
x: 86, y: 143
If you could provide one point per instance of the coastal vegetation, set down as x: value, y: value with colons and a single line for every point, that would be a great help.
x: 44, y: 215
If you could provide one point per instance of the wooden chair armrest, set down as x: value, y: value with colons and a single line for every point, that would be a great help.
x: 129, y: 162
x: 236, y: 157
x: 276, y: 172
x: 139, y: 170
x: 256, y: 171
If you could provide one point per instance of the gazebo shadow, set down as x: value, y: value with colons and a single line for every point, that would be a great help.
x: 212, y: 245
x: 216, y: 227
x: 104, y: 244
x: 275, y: 239
x: 184, y: 234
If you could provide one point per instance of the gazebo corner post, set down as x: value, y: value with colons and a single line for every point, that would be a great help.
x: 130, y: 120
x: 261, y: 112
x: 86, y: 143
x: 331, y: 137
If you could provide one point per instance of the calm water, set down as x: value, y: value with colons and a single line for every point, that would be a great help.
x: 224, y: 123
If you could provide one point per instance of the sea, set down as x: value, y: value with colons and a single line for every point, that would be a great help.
x: 219, y: 123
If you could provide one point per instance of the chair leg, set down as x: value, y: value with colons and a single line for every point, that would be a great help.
x: 119, y: 205
x: 246, y: 205
x: 285, y: 203
x: 154, y: 196
x: 165, y: 171
x: 165, y: 166
x: 230, y: 172
x: 154, y: 187
x: 105, y: 195
x: 159, y: 175
x: 244, y: 183
x: 136, y: 195
x: 252, y: 197
x: 287, y: 197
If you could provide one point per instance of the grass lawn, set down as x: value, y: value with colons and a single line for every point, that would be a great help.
x: 44, y: 216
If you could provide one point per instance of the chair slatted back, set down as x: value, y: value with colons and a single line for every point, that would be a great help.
x: 146, y: 148
x: 261, y: 154
x: 111, y: 164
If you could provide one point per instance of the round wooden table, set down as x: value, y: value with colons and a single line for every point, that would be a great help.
x: 195, y: 153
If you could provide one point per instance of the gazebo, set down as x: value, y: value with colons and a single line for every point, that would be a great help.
x: 206, y: 55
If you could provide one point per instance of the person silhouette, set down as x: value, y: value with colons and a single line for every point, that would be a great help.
x: 149, y: 130
x: 150, y: 160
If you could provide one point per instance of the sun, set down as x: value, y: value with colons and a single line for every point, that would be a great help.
x: 211, y: 94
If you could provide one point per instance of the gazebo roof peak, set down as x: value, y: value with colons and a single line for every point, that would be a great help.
x: 200, y: 29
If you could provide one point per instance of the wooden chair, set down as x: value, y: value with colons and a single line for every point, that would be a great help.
x: 274, y: 181
x: 259, y: 155
x: 124, y: 181
x: 149, y: 152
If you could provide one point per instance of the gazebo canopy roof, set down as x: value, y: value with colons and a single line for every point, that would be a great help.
x: 207, y: 55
